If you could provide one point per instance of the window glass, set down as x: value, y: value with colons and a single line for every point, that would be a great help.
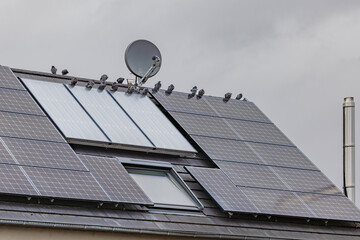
x: 161, y: 187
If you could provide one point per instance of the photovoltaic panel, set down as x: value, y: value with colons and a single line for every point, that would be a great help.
x: 307, y: 181
x: 218, y: 185
x: 282, y: 156
x: 13, y: 181
x: 259, y: 132
x: 251, y: 175
x: 18, y: 101
x: 66, y: 184
x: 222, y: 149
x: 8, y: 79
x: 116, y: 181
x: 5, y: 156
x: 178, y: 101
x: 110, y: 117
x: 28, y: 126
x: 204, y: 125
x: 45, y: 154
x: 277, y: 202
x: 64, y: 110
x: 153, y: 122
x: 331, y: 207
x: 236, y: 109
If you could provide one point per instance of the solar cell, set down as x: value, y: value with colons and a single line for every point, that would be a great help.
x: 5, y: 156
x: 18, y: 101
x: 110, y: 117
x: 64, y: 110
x: 116, y: 181
x: 28, y: 126
x: 222, y: 149
x: 153, y: 122
x: 13, y: 181
x: 66, y: 184
x: 225, y: 193
x: 8, y: 79
x: 178, y: 101
x: 307, y: 180
x: 282, y: 156
x: 45, y: 154
x: 277, y: 202
x: 204, y: 125
x: 251, y: 175
x: 331, y: 207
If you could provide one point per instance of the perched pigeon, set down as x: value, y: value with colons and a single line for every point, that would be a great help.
x: 200, y: 94
x: 114, y: 86
x: 130, y: 90
x: 170, y: 89
x: 74, y: 81
x: 227, y: 97
x: 53, y: 70
x: 90, y: 84
x: 102, y: 86
x: 144, y: 91
x: 64, y: 72
x: 103, y: 78
x: 120, y: 80
x: 239, y: 96
x: 156, y: 87
x: 193, y: 92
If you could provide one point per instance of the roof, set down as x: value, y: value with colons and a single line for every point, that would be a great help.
x: 261, y: 185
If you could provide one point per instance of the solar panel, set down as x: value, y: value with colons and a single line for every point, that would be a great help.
x: 28, y: 126
x: 204, y: 125
x: 307, y: 181
x: 282, y: 156
x: 45, y: 154
x: 5, y: 156
x: 218, y: 185
x: 277, y: 202
x: 18, y: 101
x: 64, y: 110
x: 236, y: 109
x: 116, y: 181
x: 110, y: 117
x: 13, y: 181
x: 178, y: 101
x: 153, y: 122
x: 251, y: 175
x: 8, y: 79
x: 222, y: 149
x: 331, y: 207
x: 66, y: 184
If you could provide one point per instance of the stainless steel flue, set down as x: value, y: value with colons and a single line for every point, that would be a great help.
x: 349, y: 147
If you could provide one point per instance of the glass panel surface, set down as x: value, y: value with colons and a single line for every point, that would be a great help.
x: 153, y: 122
x: 160, y: 187
x: 110, y: 117
x: 63, y: 109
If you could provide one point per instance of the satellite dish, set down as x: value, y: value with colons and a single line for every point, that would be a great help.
x: 143, y: 59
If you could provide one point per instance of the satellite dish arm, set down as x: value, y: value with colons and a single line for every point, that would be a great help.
x: 150, y: 71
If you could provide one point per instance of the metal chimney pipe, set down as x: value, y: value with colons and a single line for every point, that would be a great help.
x: 349, y: 147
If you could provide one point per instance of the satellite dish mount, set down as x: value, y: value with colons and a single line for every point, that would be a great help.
x: 143, y: 59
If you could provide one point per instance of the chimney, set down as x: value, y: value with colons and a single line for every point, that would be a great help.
x: 349, y: 147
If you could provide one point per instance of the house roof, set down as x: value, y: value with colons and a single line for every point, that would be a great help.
x: 251, y: 180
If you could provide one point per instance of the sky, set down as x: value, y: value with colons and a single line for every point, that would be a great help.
x: 296, y: 60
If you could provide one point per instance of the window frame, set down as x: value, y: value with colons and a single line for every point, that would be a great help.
x: 172, y: 175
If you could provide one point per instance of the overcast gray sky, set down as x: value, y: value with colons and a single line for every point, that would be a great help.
x: 296, y: 60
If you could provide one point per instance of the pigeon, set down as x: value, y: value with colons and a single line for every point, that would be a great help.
x: 144, y: 91
x: 114, y: 86
x: 74, y: 81
x: 170, y: 89
x: 193, y: 92
x: 156, y: 87
x: 239, y: 96
x: 120, y: 80
x: 53, y: 70
x: 130, y: 90
x: 102, y: 86
x: 227, y: 97
x: 64, y: 72
x: 90, y: 84
x: 200, y: 94
x: 103, y: 78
